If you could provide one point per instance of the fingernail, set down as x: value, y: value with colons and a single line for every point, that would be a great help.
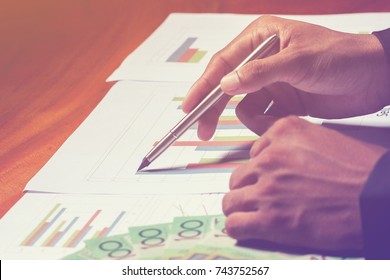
x: 230, y: 82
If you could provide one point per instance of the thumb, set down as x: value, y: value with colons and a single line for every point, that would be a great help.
x: 259, y: 73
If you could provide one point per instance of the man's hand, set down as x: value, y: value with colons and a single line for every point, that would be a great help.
x: 301, y: 187
x: 315, y: 71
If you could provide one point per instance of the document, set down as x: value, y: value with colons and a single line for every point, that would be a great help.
x: 52, y: 226
x: 180, y: 49
x: 104, y: 153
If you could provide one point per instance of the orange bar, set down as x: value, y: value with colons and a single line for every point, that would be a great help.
x: 187, y: 55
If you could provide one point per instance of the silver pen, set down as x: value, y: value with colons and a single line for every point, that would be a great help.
x: 191, y: 118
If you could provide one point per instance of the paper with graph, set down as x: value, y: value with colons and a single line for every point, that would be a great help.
x: 179, y: 50
x: 55, y: 226
x: 103, y: 154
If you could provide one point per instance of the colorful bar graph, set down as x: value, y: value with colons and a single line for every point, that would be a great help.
x: 184, y: 53
x: 187, y: 55
x: 106, y: 230
x: 78, y: 235
x: 51, y: 230
x: 58, y: 235
x: 43, y: 226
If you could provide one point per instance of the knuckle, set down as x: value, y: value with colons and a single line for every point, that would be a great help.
x: 226, y: 204
x: 284, y: 124
x: 232, y: 226
x: 219, y: 59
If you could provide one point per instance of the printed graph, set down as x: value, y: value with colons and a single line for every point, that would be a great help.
x: 123, y: 134
x: 222, y: 154
x: 55, y: 230
x: 57, y: 225
x: 188, y: 158
x: 184, y: 53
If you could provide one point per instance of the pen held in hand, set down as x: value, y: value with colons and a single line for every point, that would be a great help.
x: 191, y: 118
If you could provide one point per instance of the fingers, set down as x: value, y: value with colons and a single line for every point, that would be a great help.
x: 245, y: 225
x: 246, y: 174
x: 222, y: 63
x: 208, y: 123
x: 260, y: 73
x: 240, y: 200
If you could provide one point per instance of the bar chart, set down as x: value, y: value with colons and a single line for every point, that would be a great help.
x: 123, y: 134
x: 53, y: 230
x: 184, y: 53
x: 223, y: 153
x: 58, y: 225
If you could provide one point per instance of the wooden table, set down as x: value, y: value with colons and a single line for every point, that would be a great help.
x: 56, y: 55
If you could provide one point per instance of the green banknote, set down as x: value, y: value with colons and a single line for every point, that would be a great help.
x: 116, y: 247
x: 185, y: 233
x: 149, y: 241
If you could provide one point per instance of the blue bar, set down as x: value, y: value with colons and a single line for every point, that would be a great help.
x: 81, y: 237
x: 115, y: 223
x: 48, y: 226
x: 65, y: 230
x: 222, y: 148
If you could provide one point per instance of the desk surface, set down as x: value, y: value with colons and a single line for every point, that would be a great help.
x: 56, y: 55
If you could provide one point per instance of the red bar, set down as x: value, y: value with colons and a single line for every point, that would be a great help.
x: 38, y: 232
x: 54, y: 238
x: 187, y: 55
x: 101, y: 234
x: 84, y: 228
x: 233, y: 102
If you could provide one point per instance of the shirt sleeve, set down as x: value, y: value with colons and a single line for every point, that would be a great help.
x: 384, y: 38
x: 375, y: 211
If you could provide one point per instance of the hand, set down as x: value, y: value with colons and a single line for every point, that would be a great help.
x: 301, y: 187
x: 316, y: 71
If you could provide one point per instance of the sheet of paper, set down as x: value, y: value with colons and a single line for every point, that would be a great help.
x: 104, y: 153
x: 377, y: 119
x: 51, y: 226
x: 181, y: 47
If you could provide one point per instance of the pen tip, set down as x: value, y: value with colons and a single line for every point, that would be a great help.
x: 145, y: 162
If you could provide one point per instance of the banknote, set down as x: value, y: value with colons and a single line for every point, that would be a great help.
x: 187, y: 237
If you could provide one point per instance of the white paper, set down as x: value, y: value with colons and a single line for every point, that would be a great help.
x: 42, y: 226
x: 104, y: 153
x: 212, y: 32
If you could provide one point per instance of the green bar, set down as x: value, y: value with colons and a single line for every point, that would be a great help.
x: 228, y: 118
x: 237, y: 98
x: 178, y: 98
x: 53, y: 234
x: 197, y: 56
x: 235, y: 138
x: 41, y: 223
x: 71, y: 239
x: 209, y: 160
